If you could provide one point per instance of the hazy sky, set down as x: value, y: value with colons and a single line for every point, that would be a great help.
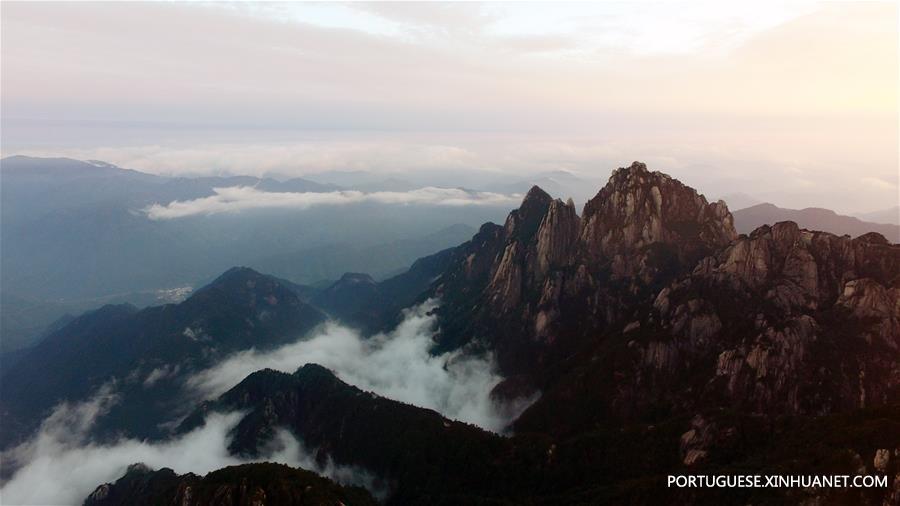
x: 791, y: 103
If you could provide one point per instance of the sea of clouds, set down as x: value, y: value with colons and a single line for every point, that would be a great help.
x: 242, y: 198
x: 61, y: 464
x: 398, y: 365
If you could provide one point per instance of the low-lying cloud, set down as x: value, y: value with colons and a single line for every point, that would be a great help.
x: 61, y: 465
x: 242, y: 198
x: 397, y: 365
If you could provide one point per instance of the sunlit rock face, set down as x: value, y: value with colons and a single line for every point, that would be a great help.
x: 650, y: 301
x: 554, y: 277
x: 824, y: 311
x: 637, y: 208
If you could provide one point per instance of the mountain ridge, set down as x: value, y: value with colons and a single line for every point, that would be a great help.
x: 241, y: 485
x: 890, y: 216
x: 239, y: 310
x: 813, y: 218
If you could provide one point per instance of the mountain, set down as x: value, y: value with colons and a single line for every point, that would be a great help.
x: 38, y: 185
x: 149, y: 352
x: 649, y: 308
x: 415, y: 452
x: 26, y: 320
x: 551, y: 293
x: 747, y: 220
x: 536, y: 288
x: 353, y: 293
x: 158, y: 347
x: 890, y: 216
x: 785, y: 321
x: 558, y: 182
x: 243, y: 485
x: 359, y: 300
x: 657, y: 340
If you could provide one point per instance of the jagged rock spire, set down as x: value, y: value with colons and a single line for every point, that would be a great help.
x: 638, y: 207
x: 523, y: 222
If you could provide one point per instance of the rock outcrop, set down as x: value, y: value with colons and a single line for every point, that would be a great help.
x: 650, y: 302
x: 555, y: 279
x: 824, y: 312
x: 638, y: 208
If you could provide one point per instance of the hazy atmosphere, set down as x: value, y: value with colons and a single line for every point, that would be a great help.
x: 406, y: 253
x: 726, y: 96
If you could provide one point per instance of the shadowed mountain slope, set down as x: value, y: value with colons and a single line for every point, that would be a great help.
x: 244, y: 485
x: 150, y: 352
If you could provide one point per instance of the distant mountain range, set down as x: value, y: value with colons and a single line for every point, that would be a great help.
x: 740, y: 201
x: 891, y: 216
x: 73, y: 237
x: 813, y: 218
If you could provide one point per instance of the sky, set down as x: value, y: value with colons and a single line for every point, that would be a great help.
x: 792, y: 103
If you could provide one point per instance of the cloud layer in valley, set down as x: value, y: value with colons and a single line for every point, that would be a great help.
x: 397, y: 365
x: 241, y: 198
x: 60, y: 465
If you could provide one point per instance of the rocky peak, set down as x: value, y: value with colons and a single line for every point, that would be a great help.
x: 557, y: 236
x: 873, y: 238
x: 539, y: 236
x: 642, y: 229
x: 635, y: 169
x: 243, y: 287
x: 637, y: 208
x: 549, y: 282
x: 801, y: 267
x: 523, y: 222
x: 536, y: 196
